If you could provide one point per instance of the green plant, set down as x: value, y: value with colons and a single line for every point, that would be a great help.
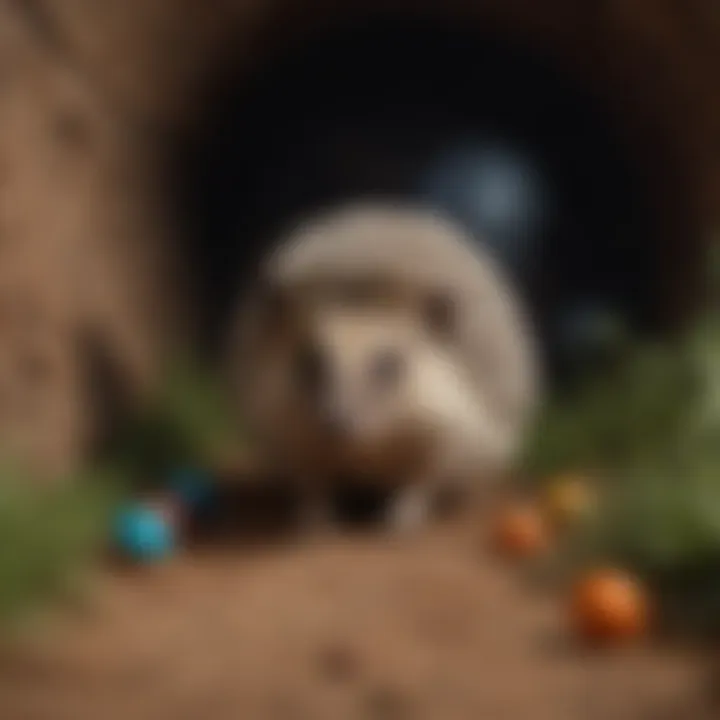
x: 188, y: 421
x: 49, y: 534
x: 650, y: 429
x: 643, y: 404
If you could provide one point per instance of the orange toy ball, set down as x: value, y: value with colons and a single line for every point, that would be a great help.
x: 609, y: 606
x: 520, y: 531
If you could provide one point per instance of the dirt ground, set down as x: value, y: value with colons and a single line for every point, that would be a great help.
x: 362, y: 626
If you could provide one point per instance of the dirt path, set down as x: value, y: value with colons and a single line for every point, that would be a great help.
x: 360, y: 628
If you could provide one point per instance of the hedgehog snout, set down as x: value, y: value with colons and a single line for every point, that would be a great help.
x: 335, y: 423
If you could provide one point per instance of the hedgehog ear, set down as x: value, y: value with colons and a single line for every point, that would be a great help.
x: 440, y: 312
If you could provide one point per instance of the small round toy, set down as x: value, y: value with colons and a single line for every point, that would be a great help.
x: 497, y: 191
x: 520, y: 532
x: 193, y: 487
x: 609, y: 606
x: 171, y: 508
x: 590, y: 329
x: 568, y: 498
x: 144, y: 533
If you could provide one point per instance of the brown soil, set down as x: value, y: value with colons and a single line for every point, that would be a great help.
x: 357, y: 627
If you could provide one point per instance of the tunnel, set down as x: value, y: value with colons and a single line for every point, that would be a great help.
x: 493, y: 134
x: 153, y: 152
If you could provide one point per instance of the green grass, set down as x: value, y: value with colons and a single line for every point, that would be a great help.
x: 189, y: 421
x: 649, y: 431
x: 644, y: 405
x: 48, y: 536
x: 649, y: 426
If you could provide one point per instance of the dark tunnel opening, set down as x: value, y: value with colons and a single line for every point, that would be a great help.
x: 398, y: 107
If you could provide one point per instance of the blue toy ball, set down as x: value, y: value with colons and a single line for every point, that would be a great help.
x: 590, y: 327
x: 193, y: 487
x: 495, y: 191
x: 144, y: 534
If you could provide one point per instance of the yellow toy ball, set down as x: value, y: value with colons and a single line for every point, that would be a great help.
x: 568, y: 498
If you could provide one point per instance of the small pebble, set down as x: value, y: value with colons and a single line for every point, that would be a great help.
x: 385, y: 703
x: 339, y: 663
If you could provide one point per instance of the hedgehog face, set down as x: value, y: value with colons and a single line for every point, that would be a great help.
x: 357, y: 367
x: 354, y: 369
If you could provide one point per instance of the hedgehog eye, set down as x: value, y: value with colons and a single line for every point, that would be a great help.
x: 440, y: 313
x: 386, y: 368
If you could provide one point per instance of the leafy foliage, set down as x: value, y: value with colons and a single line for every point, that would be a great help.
x: 650, y: 429
x: 48, y: 535
x: 642, y: 404
x: 188, y: 421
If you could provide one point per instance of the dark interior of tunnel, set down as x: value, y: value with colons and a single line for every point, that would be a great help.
x: 410, y: 108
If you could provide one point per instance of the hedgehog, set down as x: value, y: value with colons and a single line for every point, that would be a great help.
x: 381, y: 343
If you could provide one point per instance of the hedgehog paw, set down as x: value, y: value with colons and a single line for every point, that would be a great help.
x: 317, y: 519
x: 409, y: 511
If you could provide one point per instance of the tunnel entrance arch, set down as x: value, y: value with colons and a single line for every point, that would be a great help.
x: 405, y: 107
